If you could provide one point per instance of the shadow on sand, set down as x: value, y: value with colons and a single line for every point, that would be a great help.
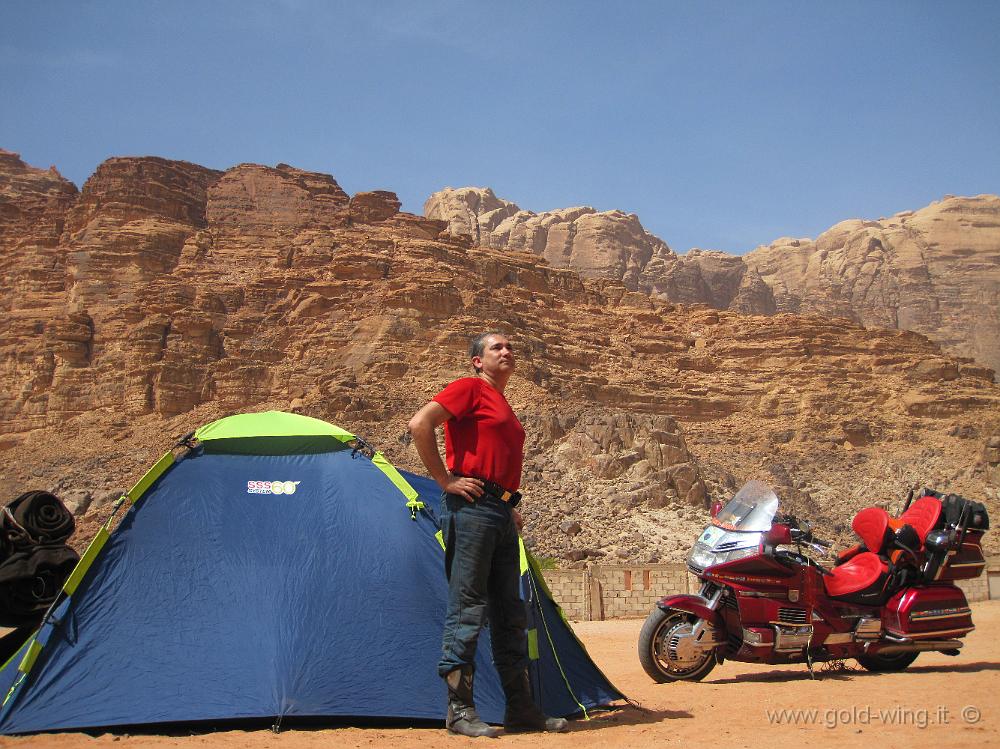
x: 626, y: 715
x: 853, y: 673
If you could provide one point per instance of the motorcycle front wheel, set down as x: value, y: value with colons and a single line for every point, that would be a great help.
x: 880, y: 663
x: 661, y: 650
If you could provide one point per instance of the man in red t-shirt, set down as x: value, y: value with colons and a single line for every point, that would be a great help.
x: 484, y: 450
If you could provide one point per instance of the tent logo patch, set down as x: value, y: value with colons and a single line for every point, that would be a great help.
x: 272, y: 487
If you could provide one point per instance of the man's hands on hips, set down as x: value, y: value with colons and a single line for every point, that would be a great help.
x: 471, y: 489
x: 465, y: 486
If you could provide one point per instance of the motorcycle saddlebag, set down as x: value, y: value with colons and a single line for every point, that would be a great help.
x: 929, y: 612
x: 966, y: 561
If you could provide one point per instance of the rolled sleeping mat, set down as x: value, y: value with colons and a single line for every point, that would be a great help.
x: 37, y: 517
x: 30, y: 580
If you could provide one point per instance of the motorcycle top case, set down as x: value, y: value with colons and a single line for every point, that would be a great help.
x: 956, y: 510
x: 930, y: 612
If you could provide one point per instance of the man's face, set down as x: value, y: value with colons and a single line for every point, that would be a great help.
x: 498, y: 356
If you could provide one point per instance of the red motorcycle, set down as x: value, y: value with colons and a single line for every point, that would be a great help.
x: 763, y: 600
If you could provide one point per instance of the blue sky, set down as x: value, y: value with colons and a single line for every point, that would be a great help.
x: 723, y: 125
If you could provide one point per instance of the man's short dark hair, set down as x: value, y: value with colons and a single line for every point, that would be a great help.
x: 477, y: 345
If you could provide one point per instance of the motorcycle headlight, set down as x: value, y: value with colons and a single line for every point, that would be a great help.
x: 701, y: 556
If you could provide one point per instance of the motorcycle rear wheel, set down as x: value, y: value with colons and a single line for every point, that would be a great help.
x: 654, y: 639
x: 881, y: 663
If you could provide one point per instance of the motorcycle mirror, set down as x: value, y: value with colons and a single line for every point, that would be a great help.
x: 716, y: 508
x: 779, y: 534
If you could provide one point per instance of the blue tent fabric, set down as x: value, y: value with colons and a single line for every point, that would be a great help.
x: 217, y: 600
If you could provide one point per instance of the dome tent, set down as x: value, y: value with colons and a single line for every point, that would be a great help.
x: 272, y: 566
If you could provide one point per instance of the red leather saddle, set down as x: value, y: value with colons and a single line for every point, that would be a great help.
x: 862, y: 569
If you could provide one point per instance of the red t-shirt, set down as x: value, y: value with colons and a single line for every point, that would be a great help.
x: 483, y: 437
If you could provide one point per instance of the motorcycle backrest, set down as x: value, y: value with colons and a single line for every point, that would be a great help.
x: 923, y: 514
x: 872, y: 526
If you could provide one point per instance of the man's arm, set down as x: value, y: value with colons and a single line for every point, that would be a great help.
x: 422, y: 427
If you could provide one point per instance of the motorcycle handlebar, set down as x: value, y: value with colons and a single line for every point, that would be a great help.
x: 804, y: 535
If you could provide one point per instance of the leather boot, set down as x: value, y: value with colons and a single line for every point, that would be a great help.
x: 462, y: 716
x: 522, y: 714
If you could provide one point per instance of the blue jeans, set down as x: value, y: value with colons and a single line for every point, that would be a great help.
x: 483, y: 564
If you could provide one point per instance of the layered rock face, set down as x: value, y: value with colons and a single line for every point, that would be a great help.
x: 33, y: 208
x: 935, y: 271
x: 167, y: 295
x: 611, y: 244
x: 34, y: 204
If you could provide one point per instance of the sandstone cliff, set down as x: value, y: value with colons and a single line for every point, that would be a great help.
x: 610, y: 245
x: 165, y: 295
x: 935, y: 271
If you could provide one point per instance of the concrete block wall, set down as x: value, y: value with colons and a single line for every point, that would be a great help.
x: 976, y: 589
x: 616, y: 592
x: 993, y: 577
x: 628, y: 592
x: 979, y: 589
x: 569, y: 589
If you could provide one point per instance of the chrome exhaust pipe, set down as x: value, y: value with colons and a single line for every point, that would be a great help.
x: 918, y: 646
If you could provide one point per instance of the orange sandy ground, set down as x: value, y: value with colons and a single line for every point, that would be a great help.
x: 938, y: 702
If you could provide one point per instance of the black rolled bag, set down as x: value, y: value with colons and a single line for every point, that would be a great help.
x: 30, y: 580
x: 34, y: 559
x: 37, y: 518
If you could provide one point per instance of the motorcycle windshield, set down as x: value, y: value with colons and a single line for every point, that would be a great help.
x: 752, y: 509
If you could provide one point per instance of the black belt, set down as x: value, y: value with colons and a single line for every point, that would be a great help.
x: 496, y: 491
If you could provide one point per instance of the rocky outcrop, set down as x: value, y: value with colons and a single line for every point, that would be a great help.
x: 167, y: 295
x: 475, y: 211
x: 34, y: 204
x: 609, y: 244
x: 708, y: 277
x: 251, y: 196
x: 935, y: 271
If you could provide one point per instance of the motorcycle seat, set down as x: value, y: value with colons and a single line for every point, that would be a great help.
x: 923, y: 515
x: 863, y: 575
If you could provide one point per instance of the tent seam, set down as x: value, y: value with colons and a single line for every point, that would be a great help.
x: 555, y: 655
